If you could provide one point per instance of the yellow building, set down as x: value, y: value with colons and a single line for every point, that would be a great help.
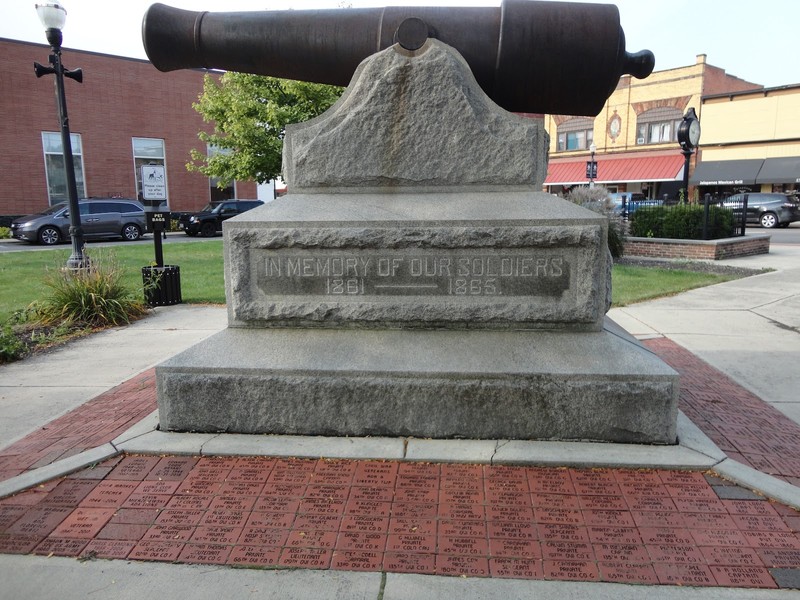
x: 750, y: 142
x: 635, y: 135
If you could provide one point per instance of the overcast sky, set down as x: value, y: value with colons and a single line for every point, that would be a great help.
x: 752, y: 40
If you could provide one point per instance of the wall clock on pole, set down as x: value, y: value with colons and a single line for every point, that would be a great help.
x: 689, y: 130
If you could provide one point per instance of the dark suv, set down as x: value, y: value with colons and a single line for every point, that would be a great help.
x: 770, y: 210
x: 208, y: 221
x: 100, y: 218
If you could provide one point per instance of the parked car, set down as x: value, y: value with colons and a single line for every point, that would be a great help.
x: 633, y: 200
x: 208, y: 222
x: 100, y: 218
x: 769, y: 210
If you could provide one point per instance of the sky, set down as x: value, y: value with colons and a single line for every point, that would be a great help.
x: 751, y: 40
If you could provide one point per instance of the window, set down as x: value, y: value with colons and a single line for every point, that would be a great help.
x: 575, y: 134
x: 147, y: 151
x: 54, y: 166
x: 658, y: 126
x: 219, y: 194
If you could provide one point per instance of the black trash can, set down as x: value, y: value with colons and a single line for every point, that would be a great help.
x: 162, y: 285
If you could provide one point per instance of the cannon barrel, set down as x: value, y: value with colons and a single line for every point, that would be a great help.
x: 528, y: 56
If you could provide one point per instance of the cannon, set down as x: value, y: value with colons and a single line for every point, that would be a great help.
x: 527, y: 56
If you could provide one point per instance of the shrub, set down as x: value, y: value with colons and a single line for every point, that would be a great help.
x: 596, y: 199
x: 94, y: 296
x: 11, y: 348
x: 5, y: 233
x: 681, y: 222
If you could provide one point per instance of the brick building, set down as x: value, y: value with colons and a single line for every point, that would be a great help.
x: 123, y: 115
x: 750, y: 142
x: 636, y: 132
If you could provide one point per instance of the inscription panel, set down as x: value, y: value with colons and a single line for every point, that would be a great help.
x: 358, y: 274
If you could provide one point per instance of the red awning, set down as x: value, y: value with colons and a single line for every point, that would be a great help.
x: 617, y: 169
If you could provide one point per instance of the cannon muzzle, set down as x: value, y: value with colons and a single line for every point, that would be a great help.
x: 528, y: 56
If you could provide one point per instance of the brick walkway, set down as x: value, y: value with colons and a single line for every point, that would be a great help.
x: 745, y: 427
x: 92, y: 424
x: 616, y: 525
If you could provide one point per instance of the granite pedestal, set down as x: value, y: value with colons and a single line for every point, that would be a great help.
x: 415, y: 282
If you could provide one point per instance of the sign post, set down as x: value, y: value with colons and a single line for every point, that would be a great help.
x: 162, y: 284
x: 591, y: 170
x: 157, y: 222
x: 154, y: 193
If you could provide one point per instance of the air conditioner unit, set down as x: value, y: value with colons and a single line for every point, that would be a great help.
x: 640, y: 140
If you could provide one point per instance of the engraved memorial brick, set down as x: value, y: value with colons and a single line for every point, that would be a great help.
x: 367, y: 524
x: 676, y: 574
x: 305, y: 557
x: 311, y: 538
x: 156, y: 550
x: 409, y: 562
x: 570, y: 570
x: 515, y: 568
x: 109, y: 494
x: 516, y: 531
x: 467, y: 546
x: 517, y: 548
x: 134, y: 468
x: 108, y: 548
x: 60, y: 547
x: 83, y: 523
x: 465, y: 566
x: 567, y: 551
x: 254, y: 555
x: 39, y: 521
x: 743, y: 577
x: 411, y: 542
x: 211, y: 553
x: 356, y: 560
x: 362, y: 541
x: 627, y: 573
x: 262, y: 536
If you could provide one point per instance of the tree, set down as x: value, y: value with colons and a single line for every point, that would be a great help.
x: 250, y: 114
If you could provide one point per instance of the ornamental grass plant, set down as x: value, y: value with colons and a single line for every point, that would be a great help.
x: 94, y: 297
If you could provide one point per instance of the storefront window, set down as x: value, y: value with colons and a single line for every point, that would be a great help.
x: 147, y: 151
x: 54, y: 166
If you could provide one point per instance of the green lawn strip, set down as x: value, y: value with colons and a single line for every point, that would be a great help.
x: 202, y: 280
x: 631, y: 284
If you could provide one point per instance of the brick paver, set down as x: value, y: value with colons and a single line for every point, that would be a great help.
x: 647, y: 527
x: 616, y: 525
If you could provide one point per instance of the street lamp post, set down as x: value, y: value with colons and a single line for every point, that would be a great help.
x: 688, y: 138
x: 592, y: 165
x: 53, y: 16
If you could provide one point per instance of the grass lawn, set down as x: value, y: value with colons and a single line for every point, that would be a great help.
x: 632, y: 284
x: 21, y: 274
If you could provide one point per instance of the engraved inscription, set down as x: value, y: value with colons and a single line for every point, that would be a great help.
x: 513, y: 272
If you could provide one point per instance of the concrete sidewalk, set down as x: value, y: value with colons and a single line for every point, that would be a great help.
x: 746, y: 330
x: 39, y: 389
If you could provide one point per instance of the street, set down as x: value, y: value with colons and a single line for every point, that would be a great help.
x: 789, y: 235
x: 172, y: 238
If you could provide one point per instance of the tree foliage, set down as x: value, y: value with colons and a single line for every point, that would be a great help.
x: 250, y: 113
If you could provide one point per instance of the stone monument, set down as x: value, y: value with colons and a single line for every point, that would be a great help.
x: 416, y: 282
